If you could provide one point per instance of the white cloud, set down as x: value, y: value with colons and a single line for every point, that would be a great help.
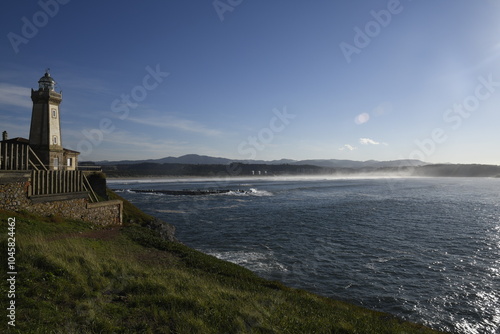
x: 15, y: 126
x: 177, y: 123
x: 126, y: 145
x: 121, y: 145
x: 368, y: 141
x: 347, y: 147
x: 17, y: 96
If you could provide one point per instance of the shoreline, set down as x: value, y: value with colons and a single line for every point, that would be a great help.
x: 172, y: 179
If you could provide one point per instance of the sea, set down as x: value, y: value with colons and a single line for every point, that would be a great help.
x: 426, y: 250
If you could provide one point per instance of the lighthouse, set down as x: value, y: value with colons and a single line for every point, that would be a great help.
x: 45, y: 131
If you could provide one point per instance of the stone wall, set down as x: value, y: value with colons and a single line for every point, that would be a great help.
x: 13, y: 197
x: 105, y: 213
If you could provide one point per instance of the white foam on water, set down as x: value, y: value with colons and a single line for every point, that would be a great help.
x: 253, y: 260
x: 171, y: 211
x: 250, y: 192
x: 149, y: 193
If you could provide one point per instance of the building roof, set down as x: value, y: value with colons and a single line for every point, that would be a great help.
x: 24, y: 141
x: 17, y: 140
x: 70, y: 151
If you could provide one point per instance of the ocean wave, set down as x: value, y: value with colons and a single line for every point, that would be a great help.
x: 224, y: 192
x: 253, y: 260
x: 133, y: 191
x: 172, y: 211
x: 250, y: 192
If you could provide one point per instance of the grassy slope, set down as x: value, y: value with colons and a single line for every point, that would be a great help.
x: 77, y: 279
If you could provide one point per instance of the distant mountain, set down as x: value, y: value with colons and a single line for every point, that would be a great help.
x: 189, y: 159
x: 201, y: 165
x: 195, y: 159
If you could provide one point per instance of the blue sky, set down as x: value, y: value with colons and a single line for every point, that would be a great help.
x: 260, y: 79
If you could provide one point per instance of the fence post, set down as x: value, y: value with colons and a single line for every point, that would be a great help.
x: 50, y: 182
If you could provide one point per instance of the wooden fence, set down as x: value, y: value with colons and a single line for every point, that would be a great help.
x: 51, y: 182
x: 56, y: 182
x: 18, y: 157
x: 14, y: 156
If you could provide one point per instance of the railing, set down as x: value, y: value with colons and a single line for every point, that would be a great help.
x: 54, y: 182
x: 37, y: 164
x: 92, y: 195
x: 14, y: 156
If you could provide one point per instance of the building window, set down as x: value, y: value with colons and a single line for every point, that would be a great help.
x: 54, y: 113
x: 70, y: 162
x: 54, y: 140
x: 56, y: 163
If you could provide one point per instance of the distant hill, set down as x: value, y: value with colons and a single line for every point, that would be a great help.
x: 453, y: 170
x: 195, y: 159
x: 201, y: 165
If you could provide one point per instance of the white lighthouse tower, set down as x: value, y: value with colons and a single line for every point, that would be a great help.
x: 45, y: 131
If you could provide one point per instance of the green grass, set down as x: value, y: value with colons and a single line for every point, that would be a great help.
x: 75, y: 278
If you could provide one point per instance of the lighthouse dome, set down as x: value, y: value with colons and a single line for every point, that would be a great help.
x: 46, y: 82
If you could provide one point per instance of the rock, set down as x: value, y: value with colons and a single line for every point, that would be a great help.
x: 165, y: 231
